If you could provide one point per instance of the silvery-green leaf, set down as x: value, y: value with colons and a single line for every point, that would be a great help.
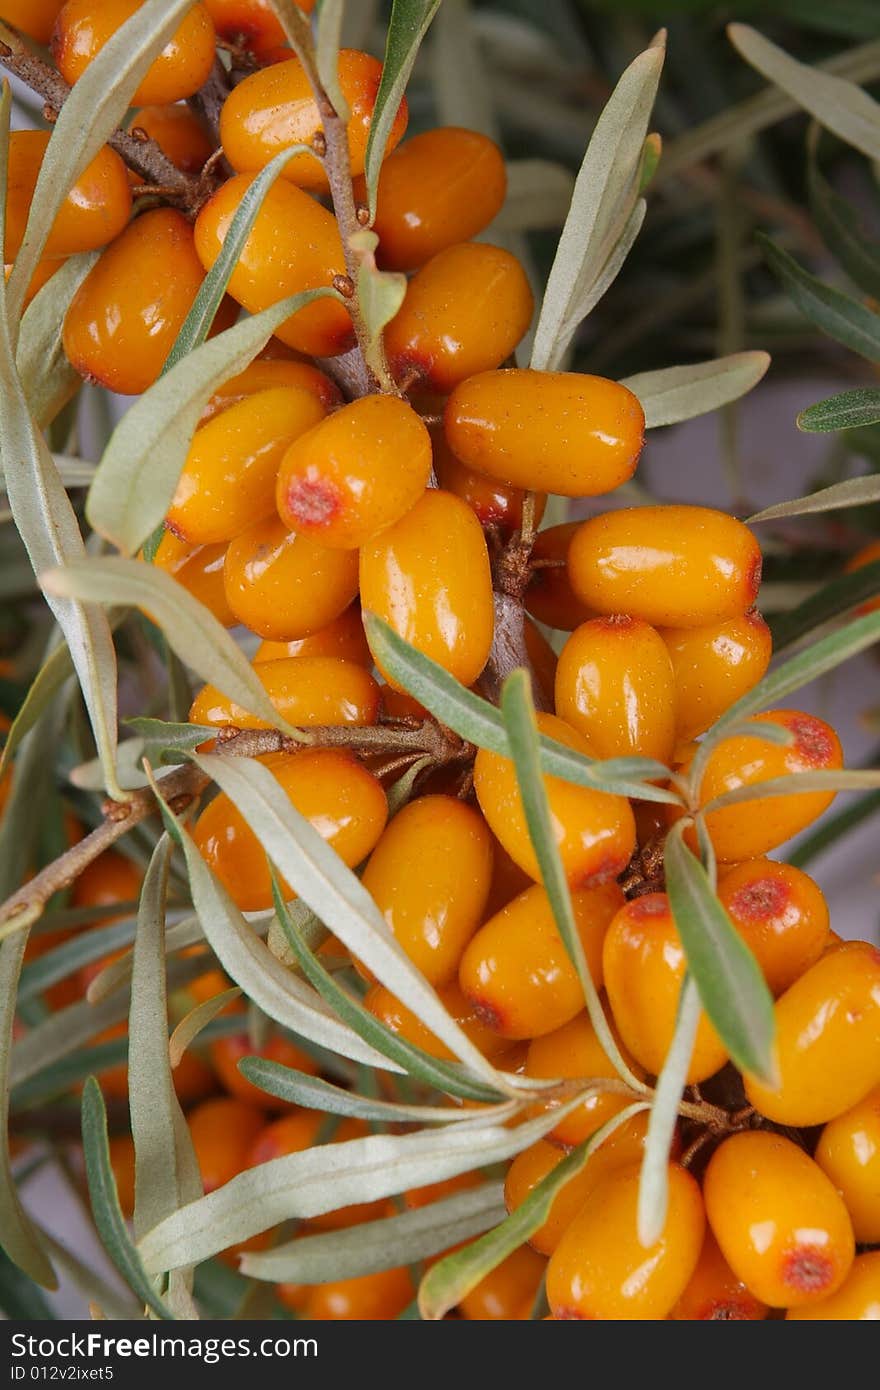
x: 538, y: 195
x: 853, y: 492
x: 848, y: 410
x: 839, y: 595
x: 114, y: 1305
x: 330, y: 16
x: 162, y: 740
x: 409, y: 22
x: 654, y: 1180
x: 796, y: 783
x: 843, y: 231
x: 48, y: 378
x: 848, y: 320
x: 82, y: 949
x: 193, y: 1023
x: 380, y: 295
x: 672, y: 394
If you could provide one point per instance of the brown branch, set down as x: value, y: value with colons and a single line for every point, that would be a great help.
x: 511, y: 576
x: 429, y: 737
x: 207, y: 103
x: 350, y: 372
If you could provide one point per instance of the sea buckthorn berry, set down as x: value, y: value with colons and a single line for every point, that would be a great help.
x: 435, y: 911
x: 549, y: 596
x: 382, y: 1004
x: 284, y: 586
x: 494, y: 503
x: 501, y: 1294
x: 305, y: 690
x: 779, y: 1222
x: 595, y: 832
x: 754, y: 827
x: 250, y: 24
x: 226, y: 1053
x: 264, y: 375
x: 644, y: 965
x: 827, y: 1039
x: 714, y: 666
x: 516, y: 970
x: 228, y: 480
x: 857, y: 1299
x: 365, y: 1298
x: 124, y: 318
x: 562, y: 432
x: 849, y: 1153
x: 344, y: 802
x: 355, y: 473
x: 671, y: 566
x: 614, y: 684
x: 199, y: 569
x: 183, y: 66
x: 508, y: 880
x: 575, y: 1050
x: 464, y: 312
x: 542, y: 657
x: 34, y: 17
x: 294, y: 245
x: 222, y: 1132
x: 95, y: 210
x: 601, y: 1270
x: 193, y: 1079
x: 178, y: 132
x: 439, y: 188
x: 109, y: 879
x: 276, y: 108
x: 866, y: 556
x: 781, y: 914
x: 121, y: 1148
x: 343, y: 638
x: 428, y: 576
x: 714, y: 1293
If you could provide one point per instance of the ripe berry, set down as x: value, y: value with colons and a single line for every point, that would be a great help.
x: 849, y: 1153
x: 284, y: 586
x: 671, y: 566
x: 779, y: 1222
x: 781, y: 914
x: 222, y: 1132
x: 95, y: 210
x: 500, y: 1295
x: 365, y: 1298
x: 109, y: 879
x: 494, y: 503
x: 382, y: 1004
x: 264, y: 375
x: 575, y: 1050
x: 595, y: 832
x: 714, y: 666
x: 122, y: 1162
x: 178, y: 132
x: 516, y: 970
x: 343, y: 638
x: 857, y: 1299
x: 250, y: 24
x: 199, y: 569
x: 464, y: 312
x: 549, y: 596
x: 34, y: 17
x: 355, y: 473
x: 714, y: 1293
x: 183, y: 66
x: 226, y: 1053
x: 305, y: 690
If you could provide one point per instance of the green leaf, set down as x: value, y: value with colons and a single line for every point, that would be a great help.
x: 330, y: 16
x: 838, y: 105
x: 795, y: 783
x: 163, y: 741
x: 841, y: 317
x: 196, y: 1021
x: 840, y: 595
x: 731, y: 986
x: 832, y: 828
x: 841, y: 226
x: 20, y: 1297
x: 853, y: 492
x: 44, y: 689
x: 137, y: 476
x: 105, y: 1200
x: 87, y: 946
x: 654, y: 1179
x: 846, y: 411
x: 53, y: 1081
x: 380, y: 295
x: 673, y: 394
x: 48, y: 378
x: 107, y: 1297
x: 605, y: 195
x: 384, y: 1244
x: 186, y: 932
x: 407, y: 27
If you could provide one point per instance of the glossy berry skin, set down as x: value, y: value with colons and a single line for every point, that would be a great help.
x: 781, y: 914
x: 274, y: 264
x: 827, y: 1039
x: 549, y: 596
x: 715, y: 666
x: 601, y: 1270
x: 848, y: 1152
x: 199, y: 570
x: 857, y: 1299
x: 183, y: 66
x: 428, y: 577
x: 575, y: 1050
x: 500, y: 1295
x: 355, y: 473
x: 714, y: 1293
x: 439, y: 188
x: 121, y: 1148
x: 124, y: 318
x: 343, y: 638
x: 228, y: 480
x: 179, y: 134
x: 866, y: 556
x: 429, y: 875
x: 305, y: 690
x: 516, y: 970
x: 222, y: 1132
x: 754, y: 827
x: 275, y: 108
x: 95, y: 210
x: 493, y: 503
x: 464, y: 312
x: 109, y: 879
x: 561, y: 432
x: 382, y: 1004
x: 365, y: 1298
x: 226, y: 1053
x: 34, y: 17
x: 328, y: 786
x: 265, y: 375
x: 251, y: 24
x: 284, y: 586
x: 779, y: 1222
x: 644, y: 965
x: 671, y: 566
x: 595, y: 832
x: 614, y: 684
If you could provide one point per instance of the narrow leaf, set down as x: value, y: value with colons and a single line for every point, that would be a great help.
x: 841, y: 226
x: 841, y: 317
x: 195, y: 1022
x: 87, y: 946
x: 49, y: 379
x: 796, y: 783
x: 407, y: 27
x: 43, y: 692
x: 166, y: 742
x: 654, y: 1180
x: 838, y: 596
x: 330, y: 16
x: 673, y: 394
x: 846, y: 411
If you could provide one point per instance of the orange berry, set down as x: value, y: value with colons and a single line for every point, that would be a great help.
x: 418, y: 1197
x: 714, y: 1293
x: 95, y: 210
x: 250, y: 24
x: 644, y: 965
x: 500, y: 1295
x: 382, y: 1004
x: 276, y: 108
x: 562, y: 432
x: 222, y: 1132
x: 827, y: 1039
x: 516, y: 970
x: 464, y: 312
x: 671, y: 566
x: 595, y: 832
x: 781, y: 914
x: 125, y: 316
x: 542, y: 657
x: 714, y: 666
x: 264, y: 375
x: 305, y: 690
x: 111, y: 878
x: 226, y: 1053
x: 428, y: 576
x: 293, y: 246
x: 439, y: 188
x: 179, y: 134
x: 34, y: 17
x: 199, y: 569
x: 183, y: 66
x: 366, y: 1298
x: 344, y: 802
x: 290, y: 1134
x: 866, y: 556
x: 355, y: 473
x: 614, y: 684
x: 781, y: 1226
x: 493, y: 503
x: 601, y: 1270
x: 208, y: 986
x: 849, y: 1153
x: 549, y: 596
x: 284, y: 586
x: 575, y: 1050
x: 344, y: 638
x: 193, y: 1079
x: 857, y: 1299
x: 122, y: 1162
